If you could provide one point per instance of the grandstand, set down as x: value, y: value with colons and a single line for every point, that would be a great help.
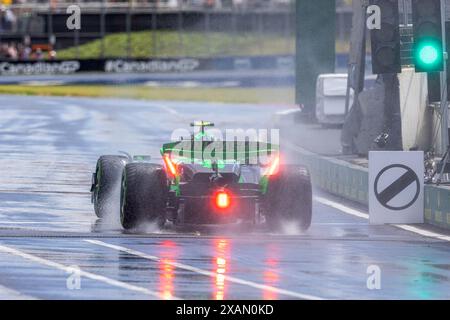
x: 37, y: 28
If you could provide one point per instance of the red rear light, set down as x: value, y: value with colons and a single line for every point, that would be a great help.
x: 170, y: 165
x: 223, y: 200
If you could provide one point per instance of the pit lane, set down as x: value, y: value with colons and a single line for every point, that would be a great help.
x: 48, y: 148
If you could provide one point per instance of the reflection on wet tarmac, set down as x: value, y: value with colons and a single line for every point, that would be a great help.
x: 220, y: 264
x: 270, y: 273
x: 167, y: 270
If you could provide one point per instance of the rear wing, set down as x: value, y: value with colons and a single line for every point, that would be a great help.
x: 244, y: 152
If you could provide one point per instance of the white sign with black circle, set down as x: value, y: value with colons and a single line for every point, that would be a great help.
x: 396, y: 187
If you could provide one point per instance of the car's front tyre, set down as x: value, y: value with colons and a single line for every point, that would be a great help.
x: 106, y: 184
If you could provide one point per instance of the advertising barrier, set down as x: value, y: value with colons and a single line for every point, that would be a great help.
x: 156, y: 65
x: 153, y: 65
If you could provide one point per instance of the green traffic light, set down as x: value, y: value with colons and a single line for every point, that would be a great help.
x: 428, y: 54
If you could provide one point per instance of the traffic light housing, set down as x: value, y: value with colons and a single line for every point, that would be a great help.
x: 316, y: 45
x: 428, y: 53
x: 434, y: 78
x: 385, y: 41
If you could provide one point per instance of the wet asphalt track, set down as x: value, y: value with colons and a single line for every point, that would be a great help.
x: 49, y: 234
x: 243, y: 78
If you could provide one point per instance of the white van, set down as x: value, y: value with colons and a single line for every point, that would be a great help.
x: 331, y: 91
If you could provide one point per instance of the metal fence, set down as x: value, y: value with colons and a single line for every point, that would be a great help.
x: 155, y: 28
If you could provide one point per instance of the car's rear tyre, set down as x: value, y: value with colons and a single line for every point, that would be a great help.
x: 289, y: 198
x: 143, y: 195
x: 106, y: 184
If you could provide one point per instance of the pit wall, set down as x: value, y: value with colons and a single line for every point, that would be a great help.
x: 351, y: 182
x: 417, y: 122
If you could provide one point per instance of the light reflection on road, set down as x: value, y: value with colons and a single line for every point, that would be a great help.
x: 270, y: 273
x: 167, y: 270
x: 220, y: 266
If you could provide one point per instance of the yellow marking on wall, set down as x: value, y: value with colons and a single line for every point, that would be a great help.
x: 438, y: 216
x: 428, y: 214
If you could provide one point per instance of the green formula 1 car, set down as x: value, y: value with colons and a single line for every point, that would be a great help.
x: 204, y: 181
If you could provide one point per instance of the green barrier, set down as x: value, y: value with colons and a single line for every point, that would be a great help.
x: 437, y: 206
x: 350, y: 181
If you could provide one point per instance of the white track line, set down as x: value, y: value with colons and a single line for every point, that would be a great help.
x: 342, y: 208
x: 359, y: 214
x: 82, y: 273
x: 11, y: 294
x: 205, y: 272
x: 422, y: 232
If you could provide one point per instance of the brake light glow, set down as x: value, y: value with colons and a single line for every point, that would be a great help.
x: 273, y: 168
x: 170, y: 165
x: 223, y: 200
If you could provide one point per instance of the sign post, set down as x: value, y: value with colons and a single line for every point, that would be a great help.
x: 444, y: 84
x: 396, y: 187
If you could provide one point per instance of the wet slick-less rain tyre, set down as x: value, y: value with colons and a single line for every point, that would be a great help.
x: 143, y: 195
x: 289, y: 198
x: 107, y: 188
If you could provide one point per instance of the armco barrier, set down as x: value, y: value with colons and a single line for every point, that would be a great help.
x: 351, y: 182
